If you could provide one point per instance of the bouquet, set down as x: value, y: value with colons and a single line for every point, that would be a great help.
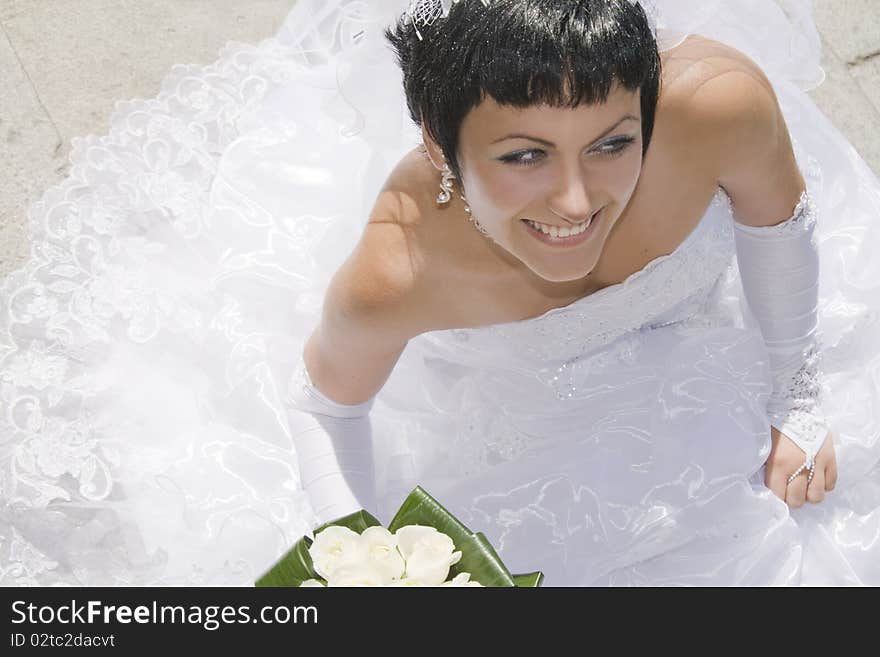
x: 423, y: 545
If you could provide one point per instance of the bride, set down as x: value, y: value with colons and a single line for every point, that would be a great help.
x: 556, y: 262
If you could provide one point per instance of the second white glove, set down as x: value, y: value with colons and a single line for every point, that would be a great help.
x: 779, y: 267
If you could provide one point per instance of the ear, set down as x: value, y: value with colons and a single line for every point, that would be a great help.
x: 435, y: 153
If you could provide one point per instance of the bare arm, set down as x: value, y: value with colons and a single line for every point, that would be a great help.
x: 367, y: 318
x: 738, y: 114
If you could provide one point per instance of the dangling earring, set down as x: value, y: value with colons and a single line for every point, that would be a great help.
x: 471, y: 218
x: 445, y: 194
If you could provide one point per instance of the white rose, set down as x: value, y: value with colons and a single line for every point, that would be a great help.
x: 357, y: 574
x: 413, y: 537
x: 432, y: 567
x: 428, y: 553
x: 462, y: 579
x: 335, y: 547
x: 382, y: 552
x: 312, y: 582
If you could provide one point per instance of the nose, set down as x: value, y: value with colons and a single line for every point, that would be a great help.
x: 570, y: 200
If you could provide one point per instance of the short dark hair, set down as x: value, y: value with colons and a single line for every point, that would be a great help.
x: 521, y: 53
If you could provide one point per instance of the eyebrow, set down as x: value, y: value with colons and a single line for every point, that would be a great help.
x: 628, y: 117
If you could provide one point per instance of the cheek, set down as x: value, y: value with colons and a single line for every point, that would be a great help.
x: 619, y: 177
x: 510, y: 190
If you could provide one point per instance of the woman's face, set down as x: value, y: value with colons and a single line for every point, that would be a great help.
x: 563, y: 168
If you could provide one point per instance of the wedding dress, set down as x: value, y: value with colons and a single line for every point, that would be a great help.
x: 176, y: 273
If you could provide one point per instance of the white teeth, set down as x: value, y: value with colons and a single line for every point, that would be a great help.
x: 566, y: 231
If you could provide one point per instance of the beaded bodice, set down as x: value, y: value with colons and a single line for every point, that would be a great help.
x: 669, y: 289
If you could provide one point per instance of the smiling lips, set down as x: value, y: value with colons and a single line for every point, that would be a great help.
x: 560, y: 233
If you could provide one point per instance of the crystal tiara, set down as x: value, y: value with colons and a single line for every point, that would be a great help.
x: 425, y: 12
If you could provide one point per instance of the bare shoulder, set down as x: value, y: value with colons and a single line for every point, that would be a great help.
x: 708, y: 81
x: 732, y: 113
x: 403, y: 194
x: 699, y: 61
x: 721, y: 98
x: 378, y: 284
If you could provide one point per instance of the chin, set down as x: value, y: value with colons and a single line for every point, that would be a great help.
x: 556, y: 275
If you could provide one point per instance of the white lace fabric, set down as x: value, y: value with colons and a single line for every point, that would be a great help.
x: 795, y: 408
x: 116, y: 257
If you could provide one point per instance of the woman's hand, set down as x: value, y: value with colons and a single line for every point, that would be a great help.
x: 786, y: 457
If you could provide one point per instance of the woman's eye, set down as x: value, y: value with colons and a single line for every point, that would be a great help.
x: 524, y: 158
x: 534, y: 156
x: 616, y: 147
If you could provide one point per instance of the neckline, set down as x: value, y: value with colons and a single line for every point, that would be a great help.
x: 629, y: 279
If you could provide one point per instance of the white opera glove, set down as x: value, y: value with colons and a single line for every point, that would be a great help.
x: 334, y: 443
x: 779, y: 267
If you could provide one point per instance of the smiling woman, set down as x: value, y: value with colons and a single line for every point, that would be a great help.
x: 554, y: 166
x: 549, y: 260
